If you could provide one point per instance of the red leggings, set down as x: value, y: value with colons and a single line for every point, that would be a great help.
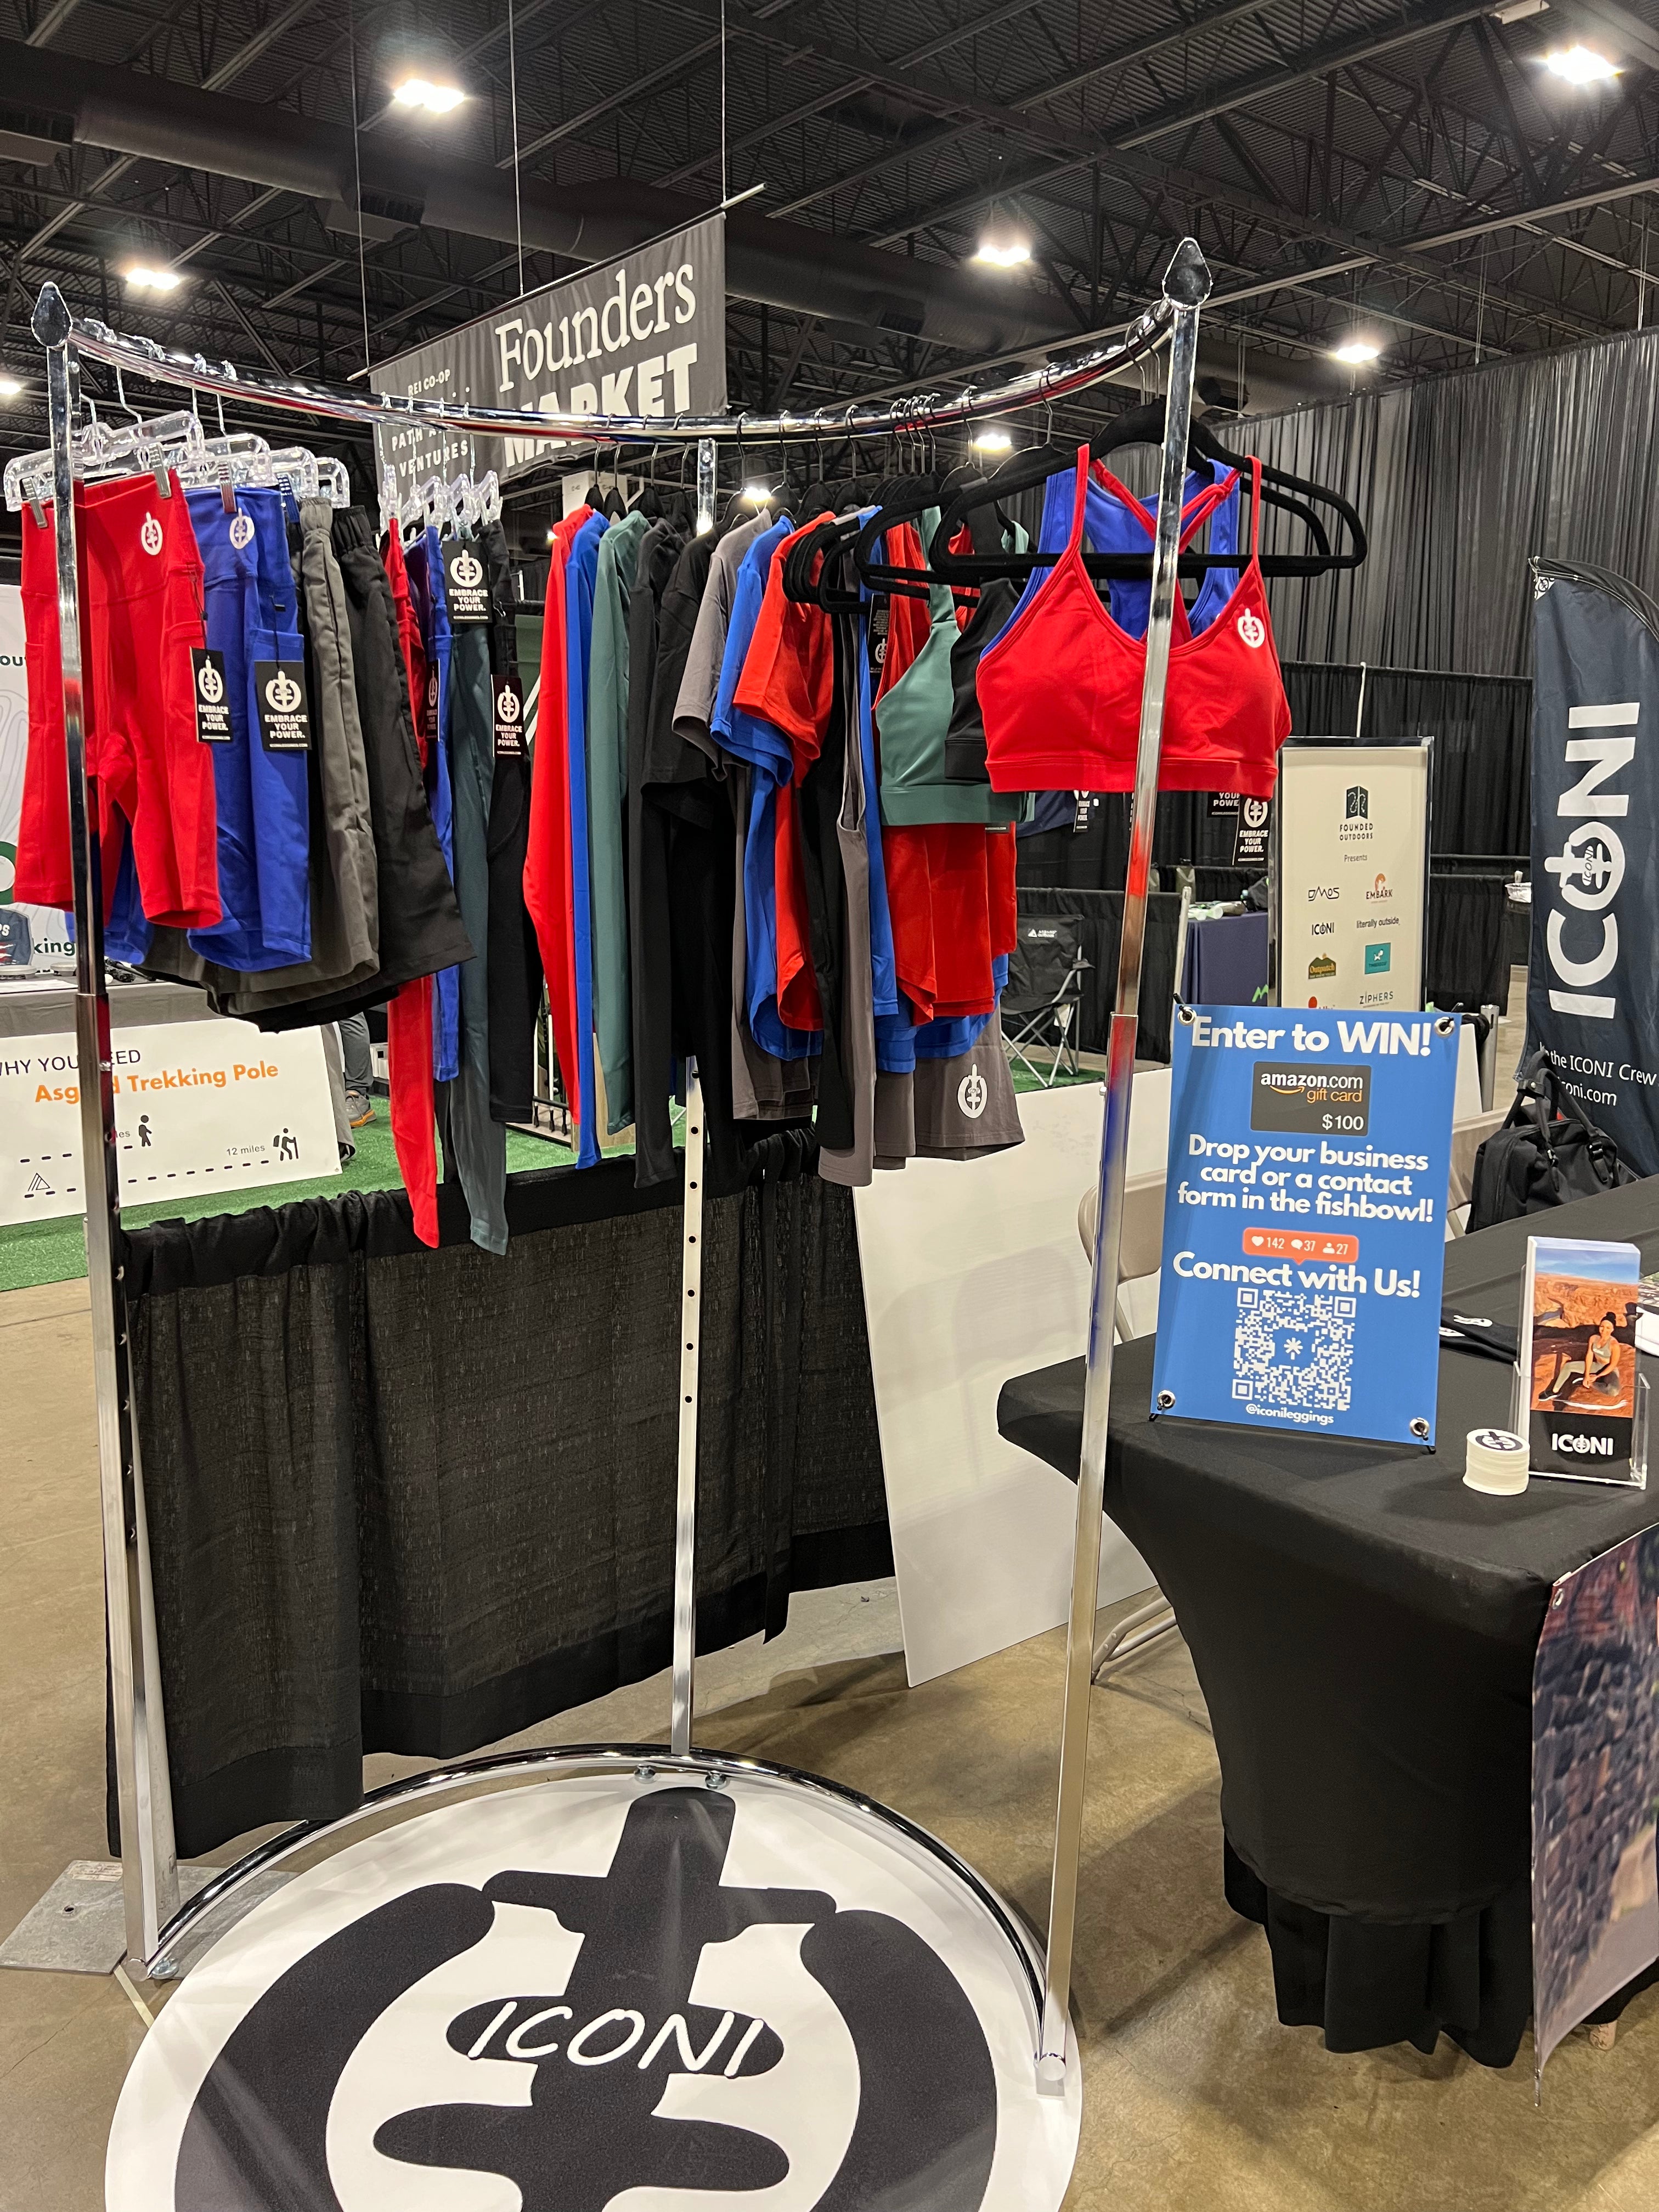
x: 409, y: 1011
x: 142, y: 597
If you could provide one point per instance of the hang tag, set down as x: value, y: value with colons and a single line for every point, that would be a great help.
x: 467, y: 582
x: 509, y: 717
x: 429, y: 713
x: 279, y: 698
x: 212, y: 696
x: 1080, y: 820
x: 1223, y: 802
x: 1250, y: 838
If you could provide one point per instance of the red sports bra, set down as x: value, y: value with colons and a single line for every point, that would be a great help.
x: 1060, y: 689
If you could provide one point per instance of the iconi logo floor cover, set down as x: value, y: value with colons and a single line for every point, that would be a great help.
x: 599, y: 1995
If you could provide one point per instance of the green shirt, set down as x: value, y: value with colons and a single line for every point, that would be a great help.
x: 607, y: 792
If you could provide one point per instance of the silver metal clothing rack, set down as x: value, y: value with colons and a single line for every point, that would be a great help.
x: 156, y: 1927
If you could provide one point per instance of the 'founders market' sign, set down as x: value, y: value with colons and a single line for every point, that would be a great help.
x: 642, y: 335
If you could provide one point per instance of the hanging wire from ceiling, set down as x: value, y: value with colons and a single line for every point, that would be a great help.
x: 513, y: 98
x: 1480, y: 302
x: 726, y: 182
x: 357, y: 179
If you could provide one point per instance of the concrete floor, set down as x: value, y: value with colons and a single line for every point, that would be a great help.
x: 1195, y: 2096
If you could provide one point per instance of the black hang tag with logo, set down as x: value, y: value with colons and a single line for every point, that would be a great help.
x: 1250, y: 837
x: 207, y: 670
x: 429, y: 712
x: 279, y: 700
x: 466, y: 583
x: 509, y: 717
x: 1080, y: 820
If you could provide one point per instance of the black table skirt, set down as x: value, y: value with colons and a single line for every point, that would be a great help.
x: 1364, y: 1629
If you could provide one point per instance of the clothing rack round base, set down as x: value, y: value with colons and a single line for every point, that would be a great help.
x: 601, y: 1964
x: 938, y: 1967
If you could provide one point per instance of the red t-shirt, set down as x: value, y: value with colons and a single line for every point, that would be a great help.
x: 788, y: 679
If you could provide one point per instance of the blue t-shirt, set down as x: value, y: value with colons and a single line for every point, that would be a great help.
x: 447, y: 987
x: 582, y: 569
x: 16, y: 945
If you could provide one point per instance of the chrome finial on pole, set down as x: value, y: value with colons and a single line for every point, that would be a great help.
x: 150, y: 1873
x: 1185, y: 287
x: 685, y: 1509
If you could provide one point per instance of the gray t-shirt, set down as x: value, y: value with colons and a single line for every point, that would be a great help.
x: 695, y: 702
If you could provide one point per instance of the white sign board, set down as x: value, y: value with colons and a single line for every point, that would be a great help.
x: 1353, y: 875
x: 973, y: 1273
x: 50, y: 945
x: 202, y: 1106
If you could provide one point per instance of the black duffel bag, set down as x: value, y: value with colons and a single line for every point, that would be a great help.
x: 1546, y: 1153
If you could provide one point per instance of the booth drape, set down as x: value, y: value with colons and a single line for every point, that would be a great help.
x: 1480, y: 799
x: 1100, y: 917
x: 1459, y: 479
x: 416, y: 1501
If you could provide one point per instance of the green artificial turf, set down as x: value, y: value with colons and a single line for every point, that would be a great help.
x: 55, y: 1251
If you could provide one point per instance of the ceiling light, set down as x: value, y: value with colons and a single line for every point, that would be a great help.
x: 1357, y: 352
x: 1581, y: 65
x: 10, y: 387
x: 1002, y: 250
x: 436, y: 99
x: 144, y: 278
x: 992, y: 441
x: 1516, y: 11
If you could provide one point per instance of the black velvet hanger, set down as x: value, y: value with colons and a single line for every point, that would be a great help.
x: 1292, y: 495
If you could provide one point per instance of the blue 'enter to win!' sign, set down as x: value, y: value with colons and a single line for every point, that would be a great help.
x: 1304, y: 1219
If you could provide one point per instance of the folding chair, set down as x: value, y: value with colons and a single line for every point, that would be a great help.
x: 1043, y: 1001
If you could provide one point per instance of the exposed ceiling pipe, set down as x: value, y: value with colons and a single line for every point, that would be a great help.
x: 410, y: 180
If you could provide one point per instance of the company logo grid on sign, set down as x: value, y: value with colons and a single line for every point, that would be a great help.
x: 642, y: 335
x: 1353, y: 874
x: 572, y: 1993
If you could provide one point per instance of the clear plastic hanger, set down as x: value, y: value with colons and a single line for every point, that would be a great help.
x: 157, y: 444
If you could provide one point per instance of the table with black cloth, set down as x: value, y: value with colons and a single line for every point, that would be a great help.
x: 1364, y: 1628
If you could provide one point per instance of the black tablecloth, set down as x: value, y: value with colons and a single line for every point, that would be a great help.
x: 1364, y: 1628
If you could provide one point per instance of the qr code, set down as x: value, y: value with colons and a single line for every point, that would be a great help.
x: 1293, y: 1351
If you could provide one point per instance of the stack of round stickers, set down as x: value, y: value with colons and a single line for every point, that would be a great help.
x: 1497, y: 1460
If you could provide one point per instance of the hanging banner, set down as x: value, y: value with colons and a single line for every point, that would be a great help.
x: 1590, y: 1000
x: 201, y: 1107
x: 1304, y: 1221
x: 30, y: 936
x: 1594, y: 1782
x: 1353, y: 874
x: 642, y: 335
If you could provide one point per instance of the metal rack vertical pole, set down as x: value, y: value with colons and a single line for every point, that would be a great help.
x: 1186, y: 285
x: 149, y: 1867
x: 682, y: 1694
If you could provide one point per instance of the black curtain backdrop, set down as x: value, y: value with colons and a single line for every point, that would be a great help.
x: 1100, y: 919
x: 417, y: 1501
x: 1481, y: 804
x: 1459, y: 479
